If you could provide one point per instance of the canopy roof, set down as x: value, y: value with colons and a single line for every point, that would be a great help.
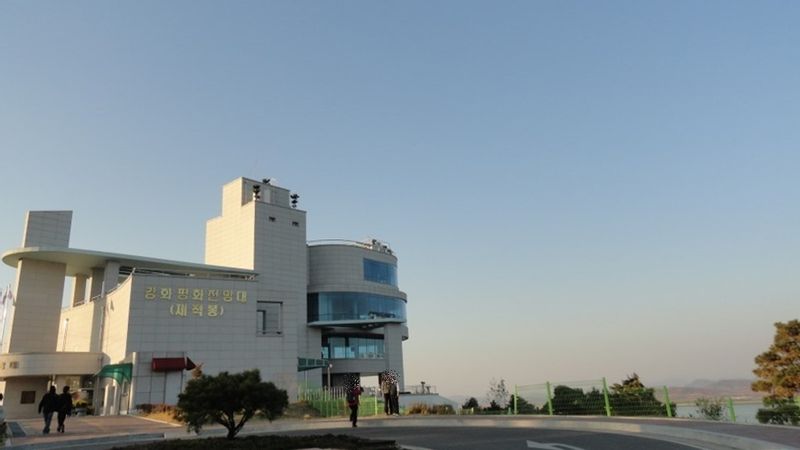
x: 80, y: 261
x: 118, y: 372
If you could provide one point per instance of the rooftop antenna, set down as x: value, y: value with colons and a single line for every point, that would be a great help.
x: 294, y: 198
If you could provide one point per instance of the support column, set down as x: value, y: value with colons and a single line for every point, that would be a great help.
x: 79, y: 289
x: 393, y: 351
x: 110, y: 276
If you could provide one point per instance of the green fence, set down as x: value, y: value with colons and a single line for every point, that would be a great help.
x: 627, y: 399
x: 591, y: 397
x: 333, y: 403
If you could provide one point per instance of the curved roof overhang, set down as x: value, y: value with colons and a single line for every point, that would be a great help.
x: 30, y: 364
x: 80, y: 261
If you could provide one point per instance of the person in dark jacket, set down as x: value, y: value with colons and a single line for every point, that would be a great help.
x: 47, y: 406
x: 353, y: 395
x: 64, y: 407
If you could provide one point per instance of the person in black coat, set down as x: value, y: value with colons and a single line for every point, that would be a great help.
x: 47, y: 406
x: 353, y: 395
x: 64, y: 407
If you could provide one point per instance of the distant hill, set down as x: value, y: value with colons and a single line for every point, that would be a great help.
x: 738, y: 390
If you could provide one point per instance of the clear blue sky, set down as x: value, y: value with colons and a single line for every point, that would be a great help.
x: 574, y: 189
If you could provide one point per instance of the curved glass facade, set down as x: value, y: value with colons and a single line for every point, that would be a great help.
x: 329, y: 306
x: 352, y: 347
x: 380, y: 272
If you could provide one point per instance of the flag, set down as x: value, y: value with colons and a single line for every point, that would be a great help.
x: 6, y: 296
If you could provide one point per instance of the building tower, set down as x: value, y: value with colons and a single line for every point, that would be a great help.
x: 354, y: 300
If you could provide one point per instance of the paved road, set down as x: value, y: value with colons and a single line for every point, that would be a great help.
x: 443, y: 433
x: 462, y: 438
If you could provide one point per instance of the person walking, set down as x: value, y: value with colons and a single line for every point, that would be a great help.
x: 47, y: 406
x: 64, y: 407
x: 2, y: 419
x: 352, y: 401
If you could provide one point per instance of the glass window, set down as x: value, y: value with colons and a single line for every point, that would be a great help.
x: 268, y: 316
x: 380, y: 272
x: 354, y: 306
x: 28, y: 397
x: 352, y: 347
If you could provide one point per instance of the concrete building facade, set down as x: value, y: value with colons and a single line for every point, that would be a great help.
x: 264, y: 298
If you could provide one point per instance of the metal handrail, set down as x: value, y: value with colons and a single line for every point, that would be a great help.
x: 372, y: 244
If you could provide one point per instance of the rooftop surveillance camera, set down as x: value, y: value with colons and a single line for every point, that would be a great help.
x: 294, y: 198
x: 266, y: 180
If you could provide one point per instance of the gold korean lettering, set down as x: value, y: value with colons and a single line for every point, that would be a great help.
x: 150, y: 293
x: 166, y: 293
x: 227, y: 295
x: 197, y: 294
x: 241, y: 296
x: 179, y: 309
x: 214, y: 310
x: 197, y: 310
x: 213, y: 295
x: 183, y: 293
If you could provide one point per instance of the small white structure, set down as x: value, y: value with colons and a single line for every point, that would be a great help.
x: 264, y: 298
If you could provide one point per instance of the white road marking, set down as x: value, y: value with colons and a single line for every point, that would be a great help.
x: 551, y: 446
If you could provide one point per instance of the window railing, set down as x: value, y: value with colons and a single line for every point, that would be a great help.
x: 422, y: 389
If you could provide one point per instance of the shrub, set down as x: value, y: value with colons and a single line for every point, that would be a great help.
x: 425, y: 410
x: 710, y: 408
x: 149, y: 408
x: 229, y: 400
x: 781, y: 413
x: 471, y: 403
x: 443, y: 410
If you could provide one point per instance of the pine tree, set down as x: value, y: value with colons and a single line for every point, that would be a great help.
x: 778, y: 372
x: 778, y: 369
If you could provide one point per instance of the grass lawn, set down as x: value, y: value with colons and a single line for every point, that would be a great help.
x: 270, y: 442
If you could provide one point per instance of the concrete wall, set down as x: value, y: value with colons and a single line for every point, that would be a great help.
x: 269, y: 236
x: 115, y: 323
x: 35, y: 320
x: 230, y: 238
x: 227, y: 341
x: 47, y: 229
x: 340, y: 268
x: 79, y: 329
x: 39, y: 285
x: 13, y: 395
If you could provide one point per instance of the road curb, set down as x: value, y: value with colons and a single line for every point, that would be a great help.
x: 79, y: 443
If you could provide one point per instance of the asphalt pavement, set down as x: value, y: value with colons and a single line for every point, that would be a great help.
x: 483, y: 438
x: 443, y: 432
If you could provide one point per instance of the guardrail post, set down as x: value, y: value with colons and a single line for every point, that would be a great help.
x: 605, y: 397
x: 549, y: 400
x: 666, y: 401
x: 731, y: 410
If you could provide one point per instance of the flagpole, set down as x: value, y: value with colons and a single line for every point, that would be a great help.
x: 6, y: 299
